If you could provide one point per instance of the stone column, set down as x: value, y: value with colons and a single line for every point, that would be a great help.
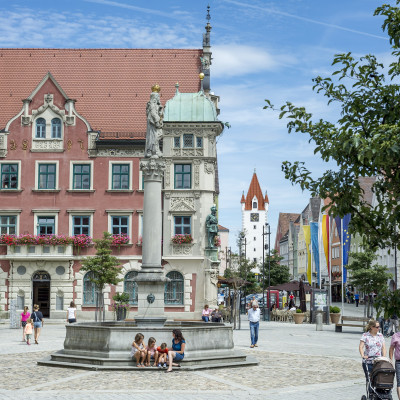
x: 151, y: 278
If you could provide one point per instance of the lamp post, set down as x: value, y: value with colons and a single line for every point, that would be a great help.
x: 263, y: 272
x: 269, y: 269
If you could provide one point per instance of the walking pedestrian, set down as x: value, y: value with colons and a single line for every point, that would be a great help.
x: 357, y: 298
x: 37, y: 318
x: 393, y: 324
x: 24, y: 317
x: 254, y: 320
x: 395, y: 350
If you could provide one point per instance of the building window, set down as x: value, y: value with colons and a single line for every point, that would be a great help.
x: 182, y: 225
x: 254, y: 204
x: 81, y: 176
x: 56, y: 128
x: 9, y: 176
x: 47, y: 176
x: 131, y: 287
x: 183, y: 176
x: 119, y: 225
x: 46, y: 226
x: 188, y: 141
x: 199, y: 142
x: 255, y: 239
x: 8, y: 224
x: 59, y: 302
x: 173, y: 293
x: 254, y: 250
x: 254, y: 226
x: 41, y: 128
x: 20, y: 301
x: 177, y: 142
x: 89, y: 289
x: 81, y: 225
x: 120, y: 176
x: 254, y: 259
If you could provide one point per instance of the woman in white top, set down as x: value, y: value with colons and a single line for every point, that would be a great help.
x: 71, y: 313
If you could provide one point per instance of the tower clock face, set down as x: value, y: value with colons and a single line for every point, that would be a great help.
x: 254, y: 217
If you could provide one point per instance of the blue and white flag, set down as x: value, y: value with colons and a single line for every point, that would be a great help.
x: 315, y: 247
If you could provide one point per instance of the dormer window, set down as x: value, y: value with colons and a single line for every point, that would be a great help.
x: 41, y: 128
x: 56, y: 128
x: 254, y: 204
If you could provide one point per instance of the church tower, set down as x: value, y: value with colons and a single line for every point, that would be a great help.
x: 254, y: 216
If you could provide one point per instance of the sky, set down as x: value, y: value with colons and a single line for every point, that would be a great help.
x: 261, y: 50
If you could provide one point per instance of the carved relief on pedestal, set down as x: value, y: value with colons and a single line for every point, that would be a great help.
x: 26, y: 120
x: 188, y: 152
x: 200, y: 152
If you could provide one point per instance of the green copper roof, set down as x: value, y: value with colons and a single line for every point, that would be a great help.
x: 186, y: 107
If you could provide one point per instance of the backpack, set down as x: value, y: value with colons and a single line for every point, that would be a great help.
x: 35, y: 317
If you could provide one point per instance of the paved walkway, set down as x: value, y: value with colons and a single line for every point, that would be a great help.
x: 296, y: 362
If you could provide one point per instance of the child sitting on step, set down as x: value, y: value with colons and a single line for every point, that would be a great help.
x: 163, y: 355
x: 138, y: 352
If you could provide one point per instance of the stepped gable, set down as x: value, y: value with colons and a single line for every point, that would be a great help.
x: 254, y: 190
x: 111, y: 86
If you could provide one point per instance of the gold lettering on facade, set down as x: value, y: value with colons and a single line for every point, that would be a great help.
x: 69, y: 144
x: 81, y: 144
x: 25, y: 144
x: 13, y: 145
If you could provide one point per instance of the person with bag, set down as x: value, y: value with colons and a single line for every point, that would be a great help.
x: 24, y: 317
x: 37, y: 318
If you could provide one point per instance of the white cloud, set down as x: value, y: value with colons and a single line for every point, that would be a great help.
x: 231, y: 60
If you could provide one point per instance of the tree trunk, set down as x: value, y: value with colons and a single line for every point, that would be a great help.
x: 100, y: 312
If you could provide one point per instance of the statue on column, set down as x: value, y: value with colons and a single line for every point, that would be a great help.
x: 155, y: 115
x: 212, y: 227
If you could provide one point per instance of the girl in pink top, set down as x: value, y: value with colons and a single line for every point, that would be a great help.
x: 28, y: 331
x: 206, y: 314
x: 152, y: 353
x: 24, y: 317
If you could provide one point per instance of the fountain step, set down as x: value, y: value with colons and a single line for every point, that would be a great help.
x: 84, y: 362
x: 249, y: 362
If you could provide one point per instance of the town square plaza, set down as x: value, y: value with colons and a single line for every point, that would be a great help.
x: 295, y: 361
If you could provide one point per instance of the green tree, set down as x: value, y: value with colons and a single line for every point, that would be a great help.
x: 363, y: 142
x: 366, y: 276
x: 105, y: 270
x: 388, y: 303
x: 278, y: 273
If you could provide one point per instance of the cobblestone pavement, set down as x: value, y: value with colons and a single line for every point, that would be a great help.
x: 295, y: 361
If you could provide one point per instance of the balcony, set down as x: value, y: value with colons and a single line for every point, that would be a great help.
x: 42, y: 252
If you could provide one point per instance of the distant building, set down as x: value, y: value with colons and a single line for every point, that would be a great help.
x: 254, y: 217
x: 224, y: 249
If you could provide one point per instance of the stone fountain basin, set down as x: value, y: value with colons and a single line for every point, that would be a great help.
x: 107, y: 345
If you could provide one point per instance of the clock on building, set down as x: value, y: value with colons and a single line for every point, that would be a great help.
x: 254, y: 217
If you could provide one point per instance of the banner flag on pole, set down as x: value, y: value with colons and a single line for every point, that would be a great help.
x: 345, y: 242
x: 315, y: 247
x: 307, y: 238
x: 325, y: 240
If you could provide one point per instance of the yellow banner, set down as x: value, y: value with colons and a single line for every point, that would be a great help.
x: 325, y: 238
x: 307, y: 238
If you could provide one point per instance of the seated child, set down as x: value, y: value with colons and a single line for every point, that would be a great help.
x: 152, y: 353
x: 138, y: 352
x: 163, y: 355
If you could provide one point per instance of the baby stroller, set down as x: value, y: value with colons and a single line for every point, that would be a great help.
x: 380, y: 380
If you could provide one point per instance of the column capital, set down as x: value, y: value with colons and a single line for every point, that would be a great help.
x: 152, y: 168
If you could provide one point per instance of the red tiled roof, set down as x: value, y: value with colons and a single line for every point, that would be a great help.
x: 111, y: 86
x: 243, y: 200
x: 254, y: 190
x: 222, y: 229
x: 283, y: 226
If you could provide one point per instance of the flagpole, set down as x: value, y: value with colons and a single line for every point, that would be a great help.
x: 341, y: 228
x: 330, y: 259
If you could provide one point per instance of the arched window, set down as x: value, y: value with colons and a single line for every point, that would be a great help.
x: 56, y: 128
x: 254, y: 204
x: 89, y: 289
x: 173, y: 292
x: 40, y: 128
x: 131, y: 287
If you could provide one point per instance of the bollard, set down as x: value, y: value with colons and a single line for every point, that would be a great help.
x: 318, y: 321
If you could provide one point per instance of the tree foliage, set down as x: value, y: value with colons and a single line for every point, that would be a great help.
x: 278, y: 273
x: 103, y: 265
x: 388, y: 303
x: 364, y: 141
x: 365, y: 275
